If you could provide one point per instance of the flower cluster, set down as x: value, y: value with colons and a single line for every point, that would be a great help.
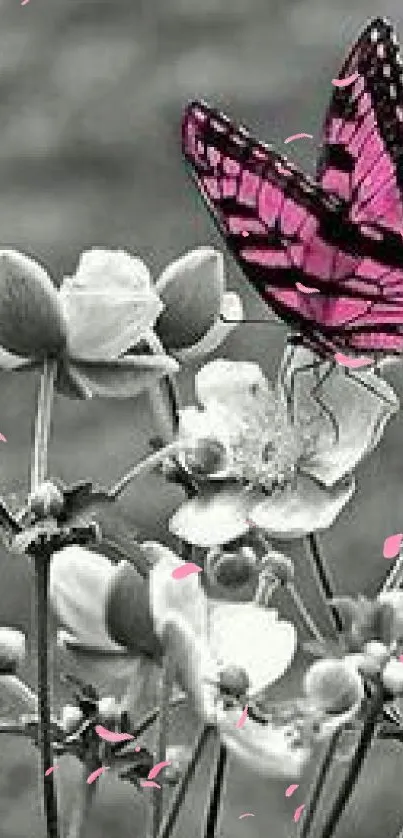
x: 112, y: 329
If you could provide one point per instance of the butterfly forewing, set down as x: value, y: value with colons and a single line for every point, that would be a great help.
x: 287, y: 231
x: 361, y: 159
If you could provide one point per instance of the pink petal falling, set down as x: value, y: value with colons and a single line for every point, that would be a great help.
x: 298, y: 812
x: 350, y: 362
x: 242, y: 719
x: 246, y: 815
x: 2, y: 438
x: 185, y: 570
x: 157, y: 768
x: 95, y: 774
x: 305, y: 289
x: 298, y: 137
x: 291, y: 789
x: 391, y: 545
x: 401, y: 658
x: 137, y: 749
x: 111, y: 735
x: 149, y: 784
x: 50, y: 770
x: 346, y: 81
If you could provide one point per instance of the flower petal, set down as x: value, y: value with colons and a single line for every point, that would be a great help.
x: 31, y: 317
x: 230, y: 315
x: 79, y: 581
x: 353, y: 407
x: 252, y: 638
x: 229, y: 383
x: 120, y: 379
x: 191, y: 288
x: 109, y: 304
x: 9, y: 361
x: 298, y: 510
x: 215, y: 516
x: 167, y: 594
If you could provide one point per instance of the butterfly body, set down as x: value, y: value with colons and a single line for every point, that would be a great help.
x: 326, y: 255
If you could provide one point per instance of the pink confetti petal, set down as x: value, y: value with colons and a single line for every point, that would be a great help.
x: 149, y: 784
x: 298, y: 137
x: 346, y: 81
x: 111, y: 736
x: 291, y: 789
x: 24, y: 2
x: 305, y: 289
x: 242, y: 719
x: 391, y: 545
x: 137, y: 749
x: 246, y: 815
x: 352, y: 363
x: 50, y: 770
x: 157, y: 768
x: 298, y: 812
x: 2, y: 438
x: 401, y: 658
x: 185, y: 570
x: 95, y: 774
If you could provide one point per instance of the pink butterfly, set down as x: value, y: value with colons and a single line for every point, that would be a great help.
x: 340, y: 235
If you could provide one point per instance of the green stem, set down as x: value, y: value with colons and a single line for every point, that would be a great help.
x: 38, y: 474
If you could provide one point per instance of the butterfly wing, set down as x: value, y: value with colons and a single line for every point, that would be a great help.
x: 286, y: 231
x: 361, y: 157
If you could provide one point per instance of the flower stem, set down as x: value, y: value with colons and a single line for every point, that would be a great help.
x: 323, y: 579
x: 163, y: 722
x: 318, y: 784
x: 217, y: 791
x: 141, y: 468
x: 304, y: 613
x: 83, y: 805
x: 169, y: 821
x: 362, y: 748
x: 38, y: 474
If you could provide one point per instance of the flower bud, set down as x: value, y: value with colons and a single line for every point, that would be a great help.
x: 70, y: 717
x: 332, y: 686
x: 377, y: 652
x: 208, y: 457
x: 12, y: 649
x: 46, y: 500
x: 108, y: 709
x: 392, y: 677
x: 232, y: 569
x: 191, y: 288
x: 31, y: 318
x: 233, y: 681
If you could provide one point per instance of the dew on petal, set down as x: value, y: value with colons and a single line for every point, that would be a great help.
x: 298, y: 812
x: 291, y: 789
x: 185, y: 570
x: 391, y: 545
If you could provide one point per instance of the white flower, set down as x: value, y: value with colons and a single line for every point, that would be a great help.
x: 109, y: 304
x: 291, y: 447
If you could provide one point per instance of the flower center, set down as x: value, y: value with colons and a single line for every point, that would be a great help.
x: 268, y: 448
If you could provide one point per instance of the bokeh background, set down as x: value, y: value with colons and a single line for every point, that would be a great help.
x: 91, y: 93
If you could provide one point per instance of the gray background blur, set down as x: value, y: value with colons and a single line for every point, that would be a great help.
x: 91, y: 93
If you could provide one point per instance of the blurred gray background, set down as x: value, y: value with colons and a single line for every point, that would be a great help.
x: 91, y: 93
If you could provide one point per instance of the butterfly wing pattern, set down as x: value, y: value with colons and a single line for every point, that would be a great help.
x: 287, y: 230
